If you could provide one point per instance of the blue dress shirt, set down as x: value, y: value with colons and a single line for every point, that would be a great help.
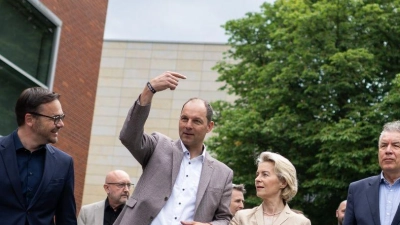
x: 389, y: 199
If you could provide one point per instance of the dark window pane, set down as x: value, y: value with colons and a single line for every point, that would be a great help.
x: 26, y: 38
x: 11, y: 85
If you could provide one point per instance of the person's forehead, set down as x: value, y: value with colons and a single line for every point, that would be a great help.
x: 237, y: 193
x: 390, y: 135
x: 196, y: 103
x: 195, y: 107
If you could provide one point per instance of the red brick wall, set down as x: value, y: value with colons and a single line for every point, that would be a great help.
x: 76, y: 76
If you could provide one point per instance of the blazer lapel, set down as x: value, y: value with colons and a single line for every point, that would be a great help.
x: 99, y: 217
x: 205, y: 177
x: 372, y: 195
x: 396, y: 218
x: 10, y: 165
x: 177, y: 157
x: 284, y: 215
x: 50, y: 164
x: 259, y: 215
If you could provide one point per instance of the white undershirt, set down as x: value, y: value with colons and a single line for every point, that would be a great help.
x: 180, y: 206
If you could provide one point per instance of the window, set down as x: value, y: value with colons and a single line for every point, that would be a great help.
x: 29, y: 36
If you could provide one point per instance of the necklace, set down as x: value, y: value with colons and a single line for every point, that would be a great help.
x: 273, y: 214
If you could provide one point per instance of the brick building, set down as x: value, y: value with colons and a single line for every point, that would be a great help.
x: 57, y: 45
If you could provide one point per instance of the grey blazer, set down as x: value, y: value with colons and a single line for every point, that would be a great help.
x: 161, y: 158
x: 92, y: 214
x: 255, y: 216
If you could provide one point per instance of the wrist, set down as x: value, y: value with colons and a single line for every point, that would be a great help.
x: 151, y: 88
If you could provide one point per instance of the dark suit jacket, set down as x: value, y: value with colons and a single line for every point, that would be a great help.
x: 161, y: 159
x: 54, y: 196
x: 363, y: 203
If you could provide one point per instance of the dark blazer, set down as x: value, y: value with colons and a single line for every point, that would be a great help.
x: 363, y: 203
x: 54, y: 196
x: 161, y: 159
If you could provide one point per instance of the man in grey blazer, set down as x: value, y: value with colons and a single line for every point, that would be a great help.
x: 117, y: 186
x: 181, y: 183
x: 375, y: 200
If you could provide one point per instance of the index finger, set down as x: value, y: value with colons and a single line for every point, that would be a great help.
x: 177, y: 75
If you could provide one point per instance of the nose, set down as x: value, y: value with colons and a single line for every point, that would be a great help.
x: 257, y: 177
x: 127, y: 187
x: 60, y: 123
x: 389, y: 149
x: 241, y: 206
x: 188, y: 124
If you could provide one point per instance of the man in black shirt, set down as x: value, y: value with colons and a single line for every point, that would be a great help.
x: 37, y: 179
x: 117, y: 187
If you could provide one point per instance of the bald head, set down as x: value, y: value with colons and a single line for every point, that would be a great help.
x: 114, y: 175
x: 341, y: 211
x: 117, y: 186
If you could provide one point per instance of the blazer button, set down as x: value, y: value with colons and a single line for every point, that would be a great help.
x: 166, y: 199
x: 151, y: 218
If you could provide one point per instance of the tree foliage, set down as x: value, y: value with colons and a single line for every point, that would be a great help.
x: 315, y: 81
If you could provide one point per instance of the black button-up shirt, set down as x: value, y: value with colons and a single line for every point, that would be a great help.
x: 109, y: 214
x: 30, y: 166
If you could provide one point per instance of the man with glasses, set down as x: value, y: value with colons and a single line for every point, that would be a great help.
x: 36, y: 178
x: 117, y: 186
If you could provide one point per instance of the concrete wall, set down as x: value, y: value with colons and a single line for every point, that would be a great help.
x: 126, y: 66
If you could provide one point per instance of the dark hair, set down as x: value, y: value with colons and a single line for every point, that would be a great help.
x: 31, y: 99
x: 206, y: 104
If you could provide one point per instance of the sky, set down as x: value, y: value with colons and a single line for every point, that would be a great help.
x: 194, y: 21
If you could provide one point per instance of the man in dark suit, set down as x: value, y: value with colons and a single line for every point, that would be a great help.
x: 375, y: 200
x: 36, y: 179
x: 181, y: 183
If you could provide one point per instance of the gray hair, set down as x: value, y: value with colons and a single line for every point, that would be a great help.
x: 390, y: 127
x: 285, y: 171
x: 239, y: 187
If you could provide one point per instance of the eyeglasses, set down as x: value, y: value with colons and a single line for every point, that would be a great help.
x: 56, y: 119
x: 122, y: 185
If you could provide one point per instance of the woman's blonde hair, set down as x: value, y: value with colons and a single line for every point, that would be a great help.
x: 285, y: 171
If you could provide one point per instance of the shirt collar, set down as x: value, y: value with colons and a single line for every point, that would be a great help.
x: 383, y: 179
x: 202, y: 155
x: 17, y: 142
x: 107, y: 205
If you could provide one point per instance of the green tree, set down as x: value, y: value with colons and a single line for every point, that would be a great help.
x: 315, y: 81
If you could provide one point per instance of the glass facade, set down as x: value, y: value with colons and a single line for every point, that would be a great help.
x: 28, y: 39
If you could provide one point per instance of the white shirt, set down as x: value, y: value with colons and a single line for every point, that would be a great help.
x: 180, y: 206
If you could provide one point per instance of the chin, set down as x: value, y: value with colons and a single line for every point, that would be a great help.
x: 53, y: 140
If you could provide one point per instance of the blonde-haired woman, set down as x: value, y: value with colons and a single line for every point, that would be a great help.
x: 276, y: 184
